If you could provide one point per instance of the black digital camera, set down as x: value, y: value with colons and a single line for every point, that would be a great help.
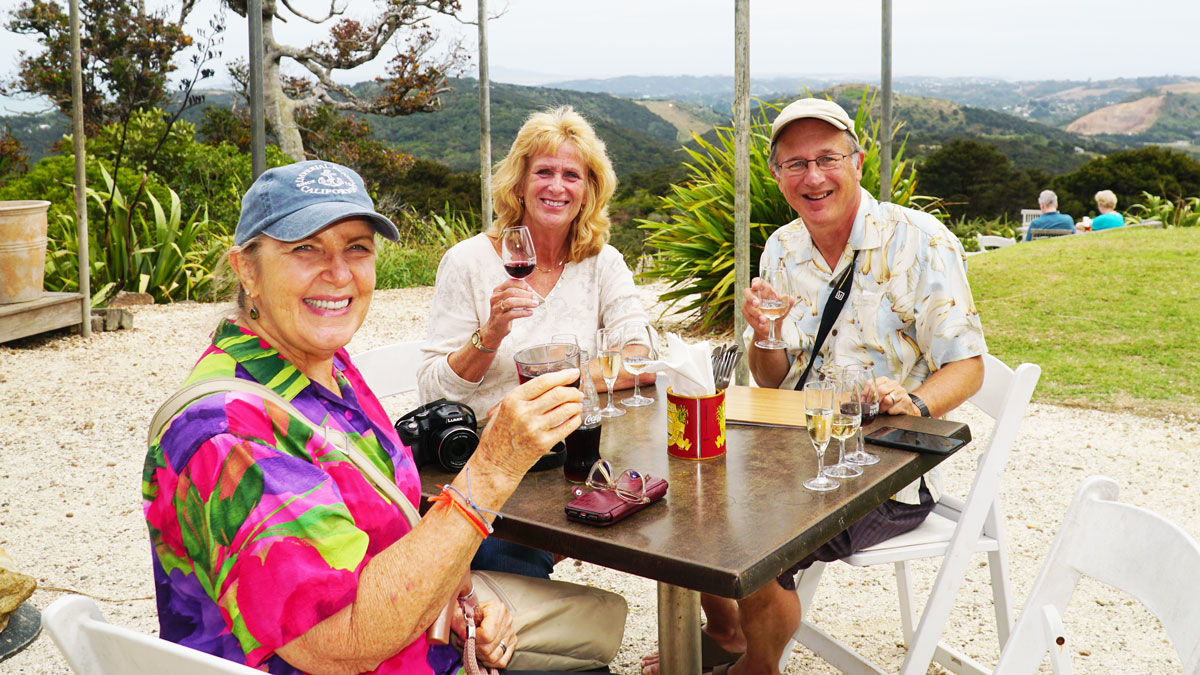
x: 441, y: 431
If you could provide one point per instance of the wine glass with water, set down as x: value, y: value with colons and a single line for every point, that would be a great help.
x: 609, y: 342
x: 774, y: 295
x: 818, y: 418
x: 847, y: 415
x: 640, y: 337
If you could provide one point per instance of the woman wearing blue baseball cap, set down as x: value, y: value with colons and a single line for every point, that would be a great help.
x: 270, y: 546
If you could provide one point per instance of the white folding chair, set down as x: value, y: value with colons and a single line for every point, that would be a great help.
x: 391, y: 369
x: 955, y: 530
x: 987, y: 242
x: 1124, y: 546
x: 94, y: 647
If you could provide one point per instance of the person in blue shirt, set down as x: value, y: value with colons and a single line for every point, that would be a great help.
x: 1109, y: 218
x: 1050, y: 219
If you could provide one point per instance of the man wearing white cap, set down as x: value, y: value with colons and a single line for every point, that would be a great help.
x: 907, y: 314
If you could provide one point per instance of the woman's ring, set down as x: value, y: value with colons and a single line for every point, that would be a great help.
x: 503, y: 306
x: 503, y: 647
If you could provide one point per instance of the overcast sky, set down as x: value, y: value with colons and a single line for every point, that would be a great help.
x: 542, y: 40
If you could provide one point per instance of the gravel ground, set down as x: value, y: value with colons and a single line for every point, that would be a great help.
x: 74, y: 414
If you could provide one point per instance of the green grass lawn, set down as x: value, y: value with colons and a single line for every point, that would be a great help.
x: 1111, y: 317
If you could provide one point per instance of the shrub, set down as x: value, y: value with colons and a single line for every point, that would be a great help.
x: 1178, y: 212
x: 156, y: 253
x: 694, y: 241
x: 967, y: 228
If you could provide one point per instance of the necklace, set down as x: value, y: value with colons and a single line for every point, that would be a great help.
x: 550, y: 269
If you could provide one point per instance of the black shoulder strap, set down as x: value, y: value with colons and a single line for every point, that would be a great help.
x: 833, y: 307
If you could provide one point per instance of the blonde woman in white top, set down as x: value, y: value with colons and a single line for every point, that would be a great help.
x: 556, y: 180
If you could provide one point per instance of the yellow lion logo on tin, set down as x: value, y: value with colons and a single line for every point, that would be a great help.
x: 677, y: 418
x: 720, y: 442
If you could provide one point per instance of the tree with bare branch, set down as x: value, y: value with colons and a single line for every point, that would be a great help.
x: 415, y: 77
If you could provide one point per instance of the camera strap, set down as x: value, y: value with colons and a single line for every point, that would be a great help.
x: 217, y: 385
x: 833, y: 308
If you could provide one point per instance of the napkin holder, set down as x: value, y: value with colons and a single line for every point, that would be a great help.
x: 695, y: 425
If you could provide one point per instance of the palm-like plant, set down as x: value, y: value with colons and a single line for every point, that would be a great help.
x: 695, y: 239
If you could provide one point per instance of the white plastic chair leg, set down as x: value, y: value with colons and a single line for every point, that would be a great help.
x: 908, y: 618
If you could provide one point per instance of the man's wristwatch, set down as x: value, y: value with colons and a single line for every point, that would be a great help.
x: 920, y: 405
x: 477, y: 343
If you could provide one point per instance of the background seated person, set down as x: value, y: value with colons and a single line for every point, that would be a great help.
x: 1050, y: 219
x: 1109, y: 218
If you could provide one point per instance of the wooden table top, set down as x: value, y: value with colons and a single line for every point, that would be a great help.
x: 727, y: 525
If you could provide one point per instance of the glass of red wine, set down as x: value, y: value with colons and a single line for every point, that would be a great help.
x: 518, y: 254
x: 868, y: 394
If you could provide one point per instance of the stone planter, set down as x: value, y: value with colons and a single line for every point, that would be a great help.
x: 22, y: 249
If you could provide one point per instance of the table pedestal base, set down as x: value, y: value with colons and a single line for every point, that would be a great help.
x: 678, y: 630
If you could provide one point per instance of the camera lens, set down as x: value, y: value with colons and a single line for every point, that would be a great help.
x: 455, y: 447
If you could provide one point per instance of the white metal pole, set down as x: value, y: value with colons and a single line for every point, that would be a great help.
x: 258, y: 132
x: 741, y: 173
x: 485, y: 124
x: 885, y: 124
x: 77, y: 145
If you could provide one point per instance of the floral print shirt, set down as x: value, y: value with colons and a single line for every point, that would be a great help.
x: 259, y: 531
x: 910, y: 309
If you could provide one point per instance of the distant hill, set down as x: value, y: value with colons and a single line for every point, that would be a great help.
x: 715, y: 91
x: 1054, y: 103
x: 1169, y: 114
x: 637, y: 139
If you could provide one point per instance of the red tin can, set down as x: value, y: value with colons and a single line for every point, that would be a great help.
x: 695, y: 426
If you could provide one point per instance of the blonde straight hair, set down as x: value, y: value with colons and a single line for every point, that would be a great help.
x: 543, y: 133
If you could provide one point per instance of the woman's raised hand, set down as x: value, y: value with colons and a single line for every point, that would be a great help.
x: 527, y: 422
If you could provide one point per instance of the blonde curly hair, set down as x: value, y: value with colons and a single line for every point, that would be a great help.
x: 542, y: 133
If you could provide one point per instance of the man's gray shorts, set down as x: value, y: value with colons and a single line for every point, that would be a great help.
x: 887, y: 520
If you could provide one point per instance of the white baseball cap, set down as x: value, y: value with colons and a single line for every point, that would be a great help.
x: 818, y: 108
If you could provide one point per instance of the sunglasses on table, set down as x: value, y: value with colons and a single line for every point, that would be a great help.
x: 629, y: 485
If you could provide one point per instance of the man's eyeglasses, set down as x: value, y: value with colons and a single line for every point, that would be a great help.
x: 630, y: 486
x: 824, y: 163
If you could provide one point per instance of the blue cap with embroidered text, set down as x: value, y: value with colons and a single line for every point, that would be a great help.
x: 292, y: 202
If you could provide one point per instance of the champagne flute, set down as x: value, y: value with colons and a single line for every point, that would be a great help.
x: 609, y: 343
x: 641, y: 337
x: 518, y: 254
x: 818, y: 417
x: 847, y: 414
x: 774, y: 295
x: 869, y: 395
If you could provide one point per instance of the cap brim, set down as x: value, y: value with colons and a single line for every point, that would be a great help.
x: 316, y: 217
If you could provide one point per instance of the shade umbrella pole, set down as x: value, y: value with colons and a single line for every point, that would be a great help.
x: 77, y: 146
x: 741, y: 174
x: 885, y: 124
x: 485, y: 124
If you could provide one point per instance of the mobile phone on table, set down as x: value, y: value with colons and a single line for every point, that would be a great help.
x: 915, y: 441
x: 604, y: 507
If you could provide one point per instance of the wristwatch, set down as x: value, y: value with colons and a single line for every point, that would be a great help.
x: 920, y: 405
x: 477, y: 343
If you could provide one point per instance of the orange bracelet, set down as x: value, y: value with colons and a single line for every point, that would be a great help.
x: 447, y: 500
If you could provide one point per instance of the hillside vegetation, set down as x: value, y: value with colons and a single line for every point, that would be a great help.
x: 1110, y: 317
x: 637, y: 139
